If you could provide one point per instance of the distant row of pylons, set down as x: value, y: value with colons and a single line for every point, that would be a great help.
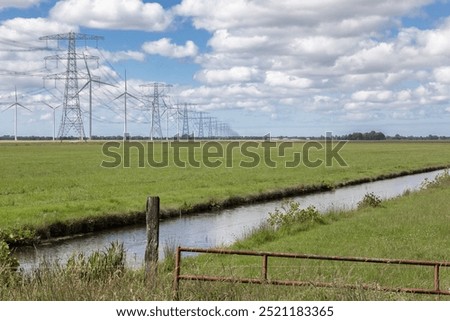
x: 180, y: 119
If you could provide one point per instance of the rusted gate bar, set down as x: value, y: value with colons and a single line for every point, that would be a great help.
x: 436, y: 277
x: 264, y: 270
x: 265, y: 267
x: 176, y: 283
x: 316, y: 257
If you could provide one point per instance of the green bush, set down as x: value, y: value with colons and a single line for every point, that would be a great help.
x: 370, y: 200
x: 8, y: 264
x: 291, y: 214
x: 21, y: 236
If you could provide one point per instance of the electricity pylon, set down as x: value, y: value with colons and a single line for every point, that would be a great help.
x: 210, y: 128
x: 185, y: 131
x: 72, y: 118
x: 200, y: 125
x: 199, y: 119
x: 157, y: 103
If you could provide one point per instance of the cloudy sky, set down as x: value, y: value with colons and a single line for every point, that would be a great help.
x: 263, y: 66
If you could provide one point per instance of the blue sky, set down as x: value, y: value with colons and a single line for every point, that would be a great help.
x: 267, y: 66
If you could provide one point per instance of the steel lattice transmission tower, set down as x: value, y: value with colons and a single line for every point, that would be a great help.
x: 201, y: 133
x: 158, y: 102
x: 210, y: 128
x: 185, y: 131
x: 72, y: 118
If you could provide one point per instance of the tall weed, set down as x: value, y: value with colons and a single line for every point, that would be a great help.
x: 439, y: 180
x: 8, y: 264
x: 291, y: 214
x: 370, y: 200
x: 99, y: 265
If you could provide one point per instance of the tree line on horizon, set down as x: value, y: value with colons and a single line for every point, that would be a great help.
x: 371, y: 136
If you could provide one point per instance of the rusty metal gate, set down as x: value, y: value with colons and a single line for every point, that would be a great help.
x: 436, y: 265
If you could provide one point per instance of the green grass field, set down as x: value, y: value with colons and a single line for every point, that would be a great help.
x: 44, y: 183
x: 414, y: 226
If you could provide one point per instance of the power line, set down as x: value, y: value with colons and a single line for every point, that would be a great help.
x: 156, y: 99
x: 71, y: 115
x: 157, y: 103
x: 89, y: 82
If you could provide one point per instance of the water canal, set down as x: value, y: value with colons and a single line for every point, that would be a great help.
x: 211, y: 229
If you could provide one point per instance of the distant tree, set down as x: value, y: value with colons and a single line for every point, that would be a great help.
x: 373, y: 135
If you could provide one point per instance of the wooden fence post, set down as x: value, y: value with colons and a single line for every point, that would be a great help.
x: 151, y: 251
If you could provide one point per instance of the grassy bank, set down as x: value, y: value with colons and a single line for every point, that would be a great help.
x: 414, y: 226
x: 60, y: 188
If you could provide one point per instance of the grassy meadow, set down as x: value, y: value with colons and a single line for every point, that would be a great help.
x: 414, y: 226
x: 50, y: 183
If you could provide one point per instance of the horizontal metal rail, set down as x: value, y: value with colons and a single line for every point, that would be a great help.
x: 264, y: 270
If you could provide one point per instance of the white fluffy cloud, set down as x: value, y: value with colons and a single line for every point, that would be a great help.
x: 350, y: 15
x: 115, y: 56
x: 22, y: 53
x: 351, y: 58
x: 30, y: 29
x: 344, y: 60
x: 373, y: 95
x: 165, y: 47
x: 112, y: 14
x: 442, y: 74
x: 17, y: 3
x: 280, y: 79
x: 223, y: 41
x: 234, y: 75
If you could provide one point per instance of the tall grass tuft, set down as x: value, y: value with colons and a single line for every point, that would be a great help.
x: 100, y: 265
x: 261, y: 234
x: 370, y: 200
x: 291, y: 214
x: 439, y: 180
x: 169, y: 250
x: 8, y: 264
